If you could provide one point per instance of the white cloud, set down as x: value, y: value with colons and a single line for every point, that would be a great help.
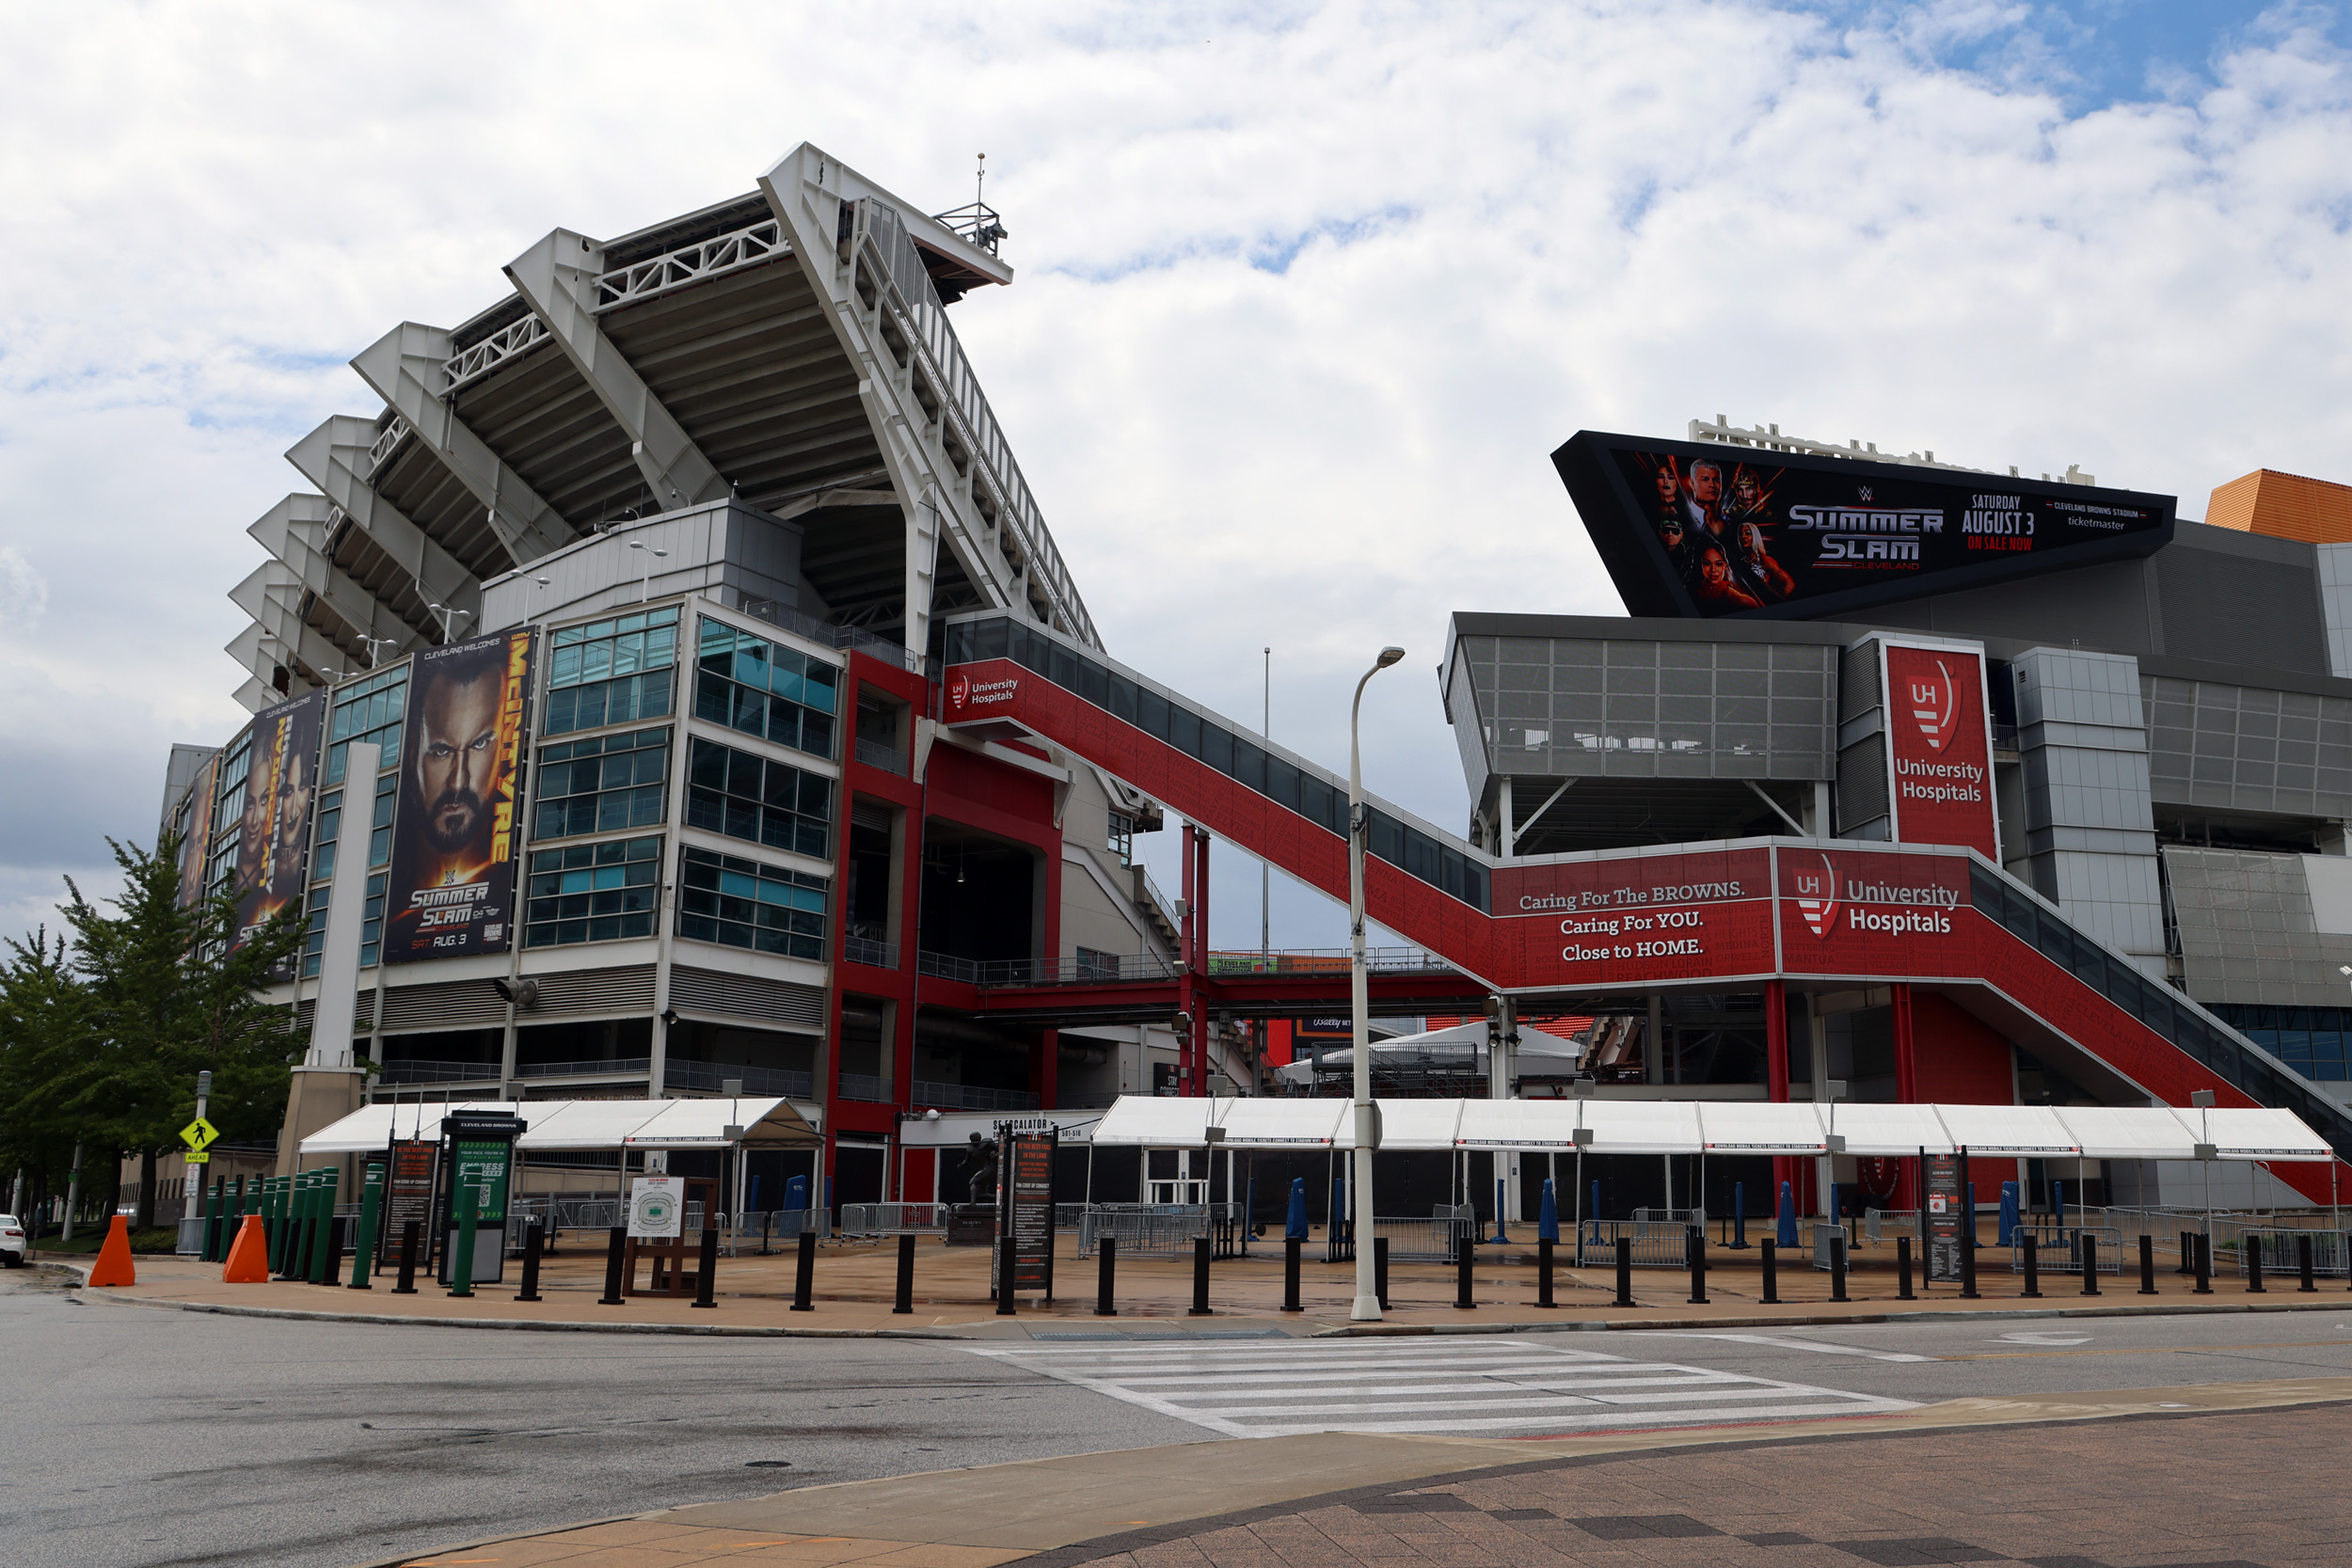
x: 1307, y: 294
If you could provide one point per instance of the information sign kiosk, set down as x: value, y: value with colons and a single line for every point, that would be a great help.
x: 479, y: 1160
x: 1025, y: 1208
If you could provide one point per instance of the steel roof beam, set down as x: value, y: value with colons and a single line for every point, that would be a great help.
x: 408, y: 367
x: 558, y: 277
x: 294, y: 531
x: 333, y: 457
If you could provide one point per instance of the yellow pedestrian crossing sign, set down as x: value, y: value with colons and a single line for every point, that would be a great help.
x: 199, y: 1134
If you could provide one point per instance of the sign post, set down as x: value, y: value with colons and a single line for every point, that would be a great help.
x: 410, y: 1168
x: 1026, y: 1210
x: 1943, y: 1217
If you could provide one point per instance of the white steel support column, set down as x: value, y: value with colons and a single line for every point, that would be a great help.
x: 406, y: 368
x: 294, y: 531
x: 558, y: 277
x: 347, y: 911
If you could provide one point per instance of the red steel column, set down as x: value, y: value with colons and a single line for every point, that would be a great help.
x: 1199, y: 849
x: 1777, y: 1071
x: 1906, y: 1048
x: 1186, y: 944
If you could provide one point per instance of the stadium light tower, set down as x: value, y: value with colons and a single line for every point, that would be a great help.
x: 1366, y: 1308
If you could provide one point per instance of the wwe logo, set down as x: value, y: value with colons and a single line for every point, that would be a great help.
x: 1931, y: 706
x: 1817, y: 898
x: 1864, y: 491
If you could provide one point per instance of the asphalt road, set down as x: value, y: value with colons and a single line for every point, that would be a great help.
x: 132, y: 1437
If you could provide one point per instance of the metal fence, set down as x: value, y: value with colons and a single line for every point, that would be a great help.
x: 1880, y: 1224
x: 892, y: 1219
x: 2281, y: 1252
x: 2058, y: 1248
x: 1818, y: 1234
x: 1162, y: 1230
x: 1656, y: 1243
x: 1438, y: 1239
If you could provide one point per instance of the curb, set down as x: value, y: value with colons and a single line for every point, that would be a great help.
x: 403, y: 1560
x: 536, y: 1326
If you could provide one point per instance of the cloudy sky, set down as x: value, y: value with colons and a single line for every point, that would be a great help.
x: 1307, y: 292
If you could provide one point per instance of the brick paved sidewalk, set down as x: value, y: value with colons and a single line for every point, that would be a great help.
x: 2258, y: 1488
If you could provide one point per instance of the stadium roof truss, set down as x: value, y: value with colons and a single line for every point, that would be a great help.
x: 791, y: 347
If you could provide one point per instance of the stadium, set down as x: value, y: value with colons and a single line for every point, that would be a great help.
x: 739, y: 728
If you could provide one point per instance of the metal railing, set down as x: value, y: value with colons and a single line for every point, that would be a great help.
x: 619, y: 1067
x: 761, y: 242
x: 1162, y: 1230
x: 844, y: 639
x: 961, y: 1097
x: 865, y: 950
x: 1438, y: 1239
x: 1817, y: 1237
x: 2058, y: 1248
x: 865, y: 1088
x: 470, y: 364
x: 1655, y: 1243
x: 881, y: 755
x: 892, y: 1219
x: 2281, y: 1252
x: 711, y: 1078
x: 413, y: 1070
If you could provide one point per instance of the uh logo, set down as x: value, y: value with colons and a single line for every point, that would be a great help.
x: 1817, y: 898
x: 959, y: 691
x: 1931, y: 706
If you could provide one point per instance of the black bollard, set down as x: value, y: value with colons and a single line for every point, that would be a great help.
x: 1625, y: 1271
x: 1769, y: 1251
x: 905, y: 1302
x: 615, y: 1261
x: 1542, y: 1275
x: 1694, y: 1243
x: 2033, y: 1264
x: 1380, y: 1270
x: 1969, y: 1259
x: 1902, y: 1268
x: 2303, y: 1265
x: 805, y: 1277
x: 1200, y: 1278
x: 1105, y: 1275
x: 1462, y: 1288
x: 2188, y: 1253
x: 2202, y: 1244
x: 328, y: 1270
x: 408, y: 1286
x: 2087, y: 1249
x: 1291, y: 1248
x: 2147, y: 1264
x: 1837, y: 1266
x: 2253, y: 1245
x: 1007, y: 1260
x: 534, y: 1238
x: 706, y: 1266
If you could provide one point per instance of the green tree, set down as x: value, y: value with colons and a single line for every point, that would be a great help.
x: 43, y: 1030
x: 166, y: 991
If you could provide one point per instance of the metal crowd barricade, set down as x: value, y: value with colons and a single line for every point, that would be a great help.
x: 2282, y: 1256
x: 1438, y: 1239
x: 1655, y: 1243
x: 1160, y: 1229
x: 1818, y: 1236
x: 1879, y: 1223
x: 2058, y: 1248
x: 893, y: 1219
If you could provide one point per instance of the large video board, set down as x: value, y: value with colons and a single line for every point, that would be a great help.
x: 1709, y: 529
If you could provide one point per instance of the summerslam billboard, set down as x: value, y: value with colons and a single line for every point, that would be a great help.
x: 273, y: 837
x: 1705, y: 528
x: 458, y: 825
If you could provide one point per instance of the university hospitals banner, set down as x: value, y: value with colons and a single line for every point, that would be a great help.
x: 452, y: 885
x: 1939, y: 746
x: 280, y: 784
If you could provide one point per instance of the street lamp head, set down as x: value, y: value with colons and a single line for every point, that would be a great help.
x: 1388, y: 656
x: 2202, y: 1098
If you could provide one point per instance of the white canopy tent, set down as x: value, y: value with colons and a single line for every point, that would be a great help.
x: 1542, y: 1055
x: 550, y: 1125
x: 1718, y: 1127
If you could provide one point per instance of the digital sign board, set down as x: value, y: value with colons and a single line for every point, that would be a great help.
x: 1707, y: 529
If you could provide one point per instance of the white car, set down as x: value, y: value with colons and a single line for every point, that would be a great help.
x: 11, y: 1242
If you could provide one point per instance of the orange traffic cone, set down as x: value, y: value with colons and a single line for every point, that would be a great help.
x: 248, y: 1256
x: 114, y: 1257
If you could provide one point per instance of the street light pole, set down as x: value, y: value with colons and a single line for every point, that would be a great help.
x: 644, y: 586
x: 1366, y: 1308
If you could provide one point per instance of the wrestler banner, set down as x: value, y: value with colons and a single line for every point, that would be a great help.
x: 452, y: 885
x: 274, y: 836
x: 1707, y: 529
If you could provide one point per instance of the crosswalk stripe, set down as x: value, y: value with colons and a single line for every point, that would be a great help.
x: 1304, y: 1386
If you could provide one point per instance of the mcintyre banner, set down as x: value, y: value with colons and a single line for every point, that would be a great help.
x: 453, y: 840
x: 1939, y: 746
x: 1705, y: 528
x: 280, y: 781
